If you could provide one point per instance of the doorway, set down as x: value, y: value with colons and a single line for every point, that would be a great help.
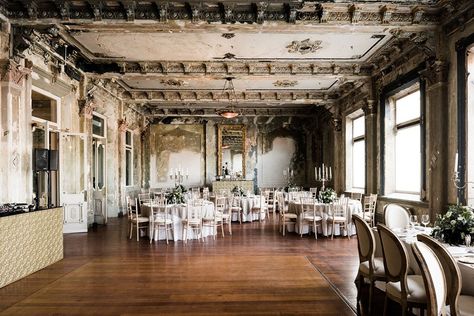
x: 99, y: 174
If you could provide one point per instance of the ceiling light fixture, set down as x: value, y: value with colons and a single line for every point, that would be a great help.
x: 229, y: 112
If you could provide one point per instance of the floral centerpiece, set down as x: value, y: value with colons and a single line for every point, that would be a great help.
x: 176, y: 196
x: 328, y: 195
x: 453, y: 226
x: 238, y: 190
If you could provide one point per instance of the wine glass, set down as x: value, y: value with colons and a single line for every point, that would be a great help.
x: 413, y: 220
x: 425, y: 219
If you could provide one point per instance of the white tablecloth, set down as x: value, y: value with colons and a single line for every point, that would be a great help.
x: 178, y: 212
x: 409, y: 236
x: 354, y: 207
x: 246, y: 203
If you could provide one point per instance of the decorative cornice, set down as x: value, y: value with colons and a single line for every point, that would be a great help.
x: 360, y: 12
x: 248, y: 67
x: 435, y: 72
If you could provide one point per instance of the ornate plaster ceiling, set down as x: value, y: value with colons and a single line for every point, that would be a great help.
x: 173, y: 56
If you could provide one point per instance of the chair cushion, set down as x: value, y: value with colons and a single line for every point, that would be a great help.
x: 466, y: 305
x: 337, y: 218
x: 415, y: 289
x: 163, y: 221
x: 192, y: 221
x: 289, y: 215
x: 378, y: 267
x: 312, y: 218
x: 140, y: 219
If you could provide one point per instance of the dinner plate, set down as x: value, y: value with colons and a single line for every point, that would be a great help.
x: 466, y: 259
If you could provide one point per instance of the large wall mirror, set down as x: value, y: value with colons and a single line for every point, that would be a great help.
x: 231, y: 151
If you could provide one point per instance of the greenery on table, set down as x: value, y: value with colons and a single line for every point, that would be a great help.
x: 454, y: 225
x: 238, y: 190
x: 328, y: 195
x: 176, y: 196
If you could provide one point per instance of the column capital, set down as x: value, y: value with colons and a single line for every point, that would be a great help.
x: 86, y: 107
x: 435, y: 72
x: 369, y: 107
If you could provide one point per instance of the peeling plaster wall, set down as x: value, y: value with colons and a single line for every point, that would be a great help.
x: 175, y: 147
x: 271, y: 147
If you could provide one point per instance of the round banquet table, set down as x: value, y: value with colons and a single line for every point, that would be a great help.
x: 354, y: 207
x: 178, y: 213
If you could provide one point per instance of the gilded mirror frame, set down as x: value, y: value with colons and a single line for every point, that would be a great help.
x: 220, y: 130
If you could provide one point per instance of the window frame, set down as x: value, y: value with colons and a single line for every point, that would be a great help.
x: 350, y: 140
x: 392, y: 89
x: 354, y: 140
x: 128, y: 148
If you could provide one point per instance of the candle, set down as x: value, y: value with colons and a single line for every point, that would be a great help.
x: 319, y: 173
x: 456, y: 164
x: 187, y: 172
x: 291, y: 172
x: 326, y: 172
x: 315, y: 173
x: 330, y: 173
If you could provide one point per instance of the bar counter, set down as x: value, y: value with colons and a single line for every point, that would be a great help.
x: 29, y: 242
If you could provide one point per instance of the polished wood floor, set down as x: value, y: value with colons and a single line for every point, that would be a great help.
x: 256, y: 271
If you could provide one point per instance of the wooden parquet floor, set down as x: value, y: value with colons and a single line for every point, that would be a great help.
x: 256, y: 271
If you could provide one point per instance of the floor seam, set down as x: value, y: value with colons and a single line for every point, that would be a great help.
x: 333, y: 287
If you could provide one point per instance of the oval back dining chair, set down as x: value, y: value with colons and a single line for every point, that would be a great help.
x: 433, y: 278
x: 370, y: 267
x: 458, y: 304
x: 406, y: 290
x: 396, y: 216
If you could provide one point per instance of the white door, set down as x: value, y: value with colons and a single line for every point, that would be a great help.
x: 73, y: 182
x: 99, y: 180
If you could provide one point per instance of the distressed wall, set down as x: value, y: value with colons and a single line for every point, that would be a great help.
x: 273, y: 144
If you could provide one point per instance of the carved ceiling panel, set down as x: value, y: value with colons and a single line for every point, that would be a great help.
x: 173, y: 56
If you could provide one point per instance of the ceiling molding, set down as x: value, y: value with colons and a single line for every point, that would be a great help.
x: 355, y: 12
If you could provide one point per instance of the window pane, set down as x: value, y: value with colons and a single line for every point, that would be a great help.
x: 98, y: 126
x: 100, y: 166
x: 128, y: 138
x: 43, y: 107
x: 358, y: 164
x: 408, y: 160
x: 408, y: 107
x: 128, y: 167
x: 358, y: 127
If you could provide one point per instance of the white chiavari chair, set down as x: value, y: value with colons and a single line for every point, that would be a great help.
x: 216, y: 219
x: 338, y: 215
x: 235, y: 206
x: 192, y: 221
x: 314, y: 192
x: 160, y: 219
x: 259, y: 207
x: 137, y: 220
x: 285, y: 217
x: 310, y: 216
x: 205, y: 193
